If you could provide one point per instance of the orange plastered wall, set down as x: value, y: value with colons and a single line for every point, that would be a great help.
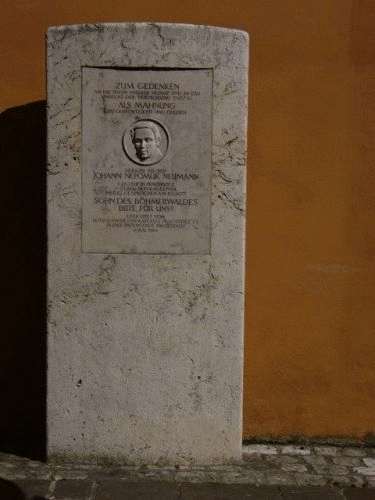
x: 310, y: 288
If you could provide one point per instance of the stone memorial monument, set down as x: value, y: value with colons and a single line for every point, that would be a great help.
x: 146, y: 207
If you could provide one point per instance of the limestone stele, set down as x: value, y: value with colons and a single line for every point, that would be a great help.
x: 146, y: 206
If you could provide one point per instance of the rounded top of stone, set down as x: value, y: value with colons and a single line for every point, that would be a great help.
x: 135, y: 26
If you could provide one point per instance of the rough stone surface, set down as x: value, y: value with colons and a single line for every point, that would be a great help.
x: 260, y: 449
x: 296, y: 450
x: 252, y: 477
x: 354, y: 452
x: 311, y: 494
x: 31, y: 488
x: 356, y: 494
x: 366, y: 471
x: 73, y: 489
x: 118, y: 490
x: 229, y: 491
x: 327, y: 450
x: 145, y: 351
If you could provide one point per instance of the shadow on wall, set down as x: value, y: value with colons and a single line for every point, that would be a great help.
x: 23, y: 289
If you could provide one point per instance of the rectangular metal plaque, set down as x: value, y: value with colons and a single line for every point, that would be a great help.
x: 146, y: 160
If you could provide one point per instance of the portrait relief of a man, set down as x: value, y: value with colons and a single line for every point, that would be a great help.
x: 146, y: 139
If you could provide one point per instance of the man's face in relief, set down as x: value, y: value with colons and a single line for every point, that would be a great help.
x: 146, y: 144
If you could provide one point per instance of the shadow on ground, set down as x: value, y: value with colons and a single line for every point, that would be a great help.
x: 23, y: 290
x: 10, y: 491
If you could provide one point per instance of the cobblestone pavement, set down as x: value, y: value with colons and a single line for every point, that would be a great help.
x: 267, y: 472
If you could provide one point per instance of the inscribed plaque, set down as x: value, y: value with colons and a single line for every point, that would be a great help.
x: 146, y: 160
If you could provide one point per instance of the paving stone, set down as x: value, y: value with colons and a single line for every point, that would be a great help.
x: 196, y: 476
x: 160, y: 474
x: 311, y: 493
x: 359, y: 493
x: 64, y: 472
x: 286, y: 459
x: 255, y: 477
x: 331, y: 451
x: 132, y: 475
x: 121, y: 490
x: 295, y: 450
x: 11, y: 475
x: 361, y: 482
x: 315, y: 460
x: 341, y: 481
x: 72, y: 488
x: 279, y: 477
x: 333, y: 470
x: 366, y: 471
x: 259, y: 449
x: 228, y: 492
x: 266, y: 463
x: 185, y: 477
x: 31, y: 473
x: 245, y: 477
x: 293, y: 467
x: 330, y: 469
x: 32, y: 488
x: 347, y: 461
x: 354, y: 452
x: 10, y: 490
x: 14, y: 459
x: 310, y: 480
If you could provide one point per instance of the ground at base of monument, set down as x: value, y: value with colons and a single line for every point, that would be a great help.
x: 267, y: 472
x: 121, y: 490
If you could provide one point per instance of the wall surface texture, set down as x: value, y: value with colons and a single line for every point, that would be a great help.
x: 309, y: 355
